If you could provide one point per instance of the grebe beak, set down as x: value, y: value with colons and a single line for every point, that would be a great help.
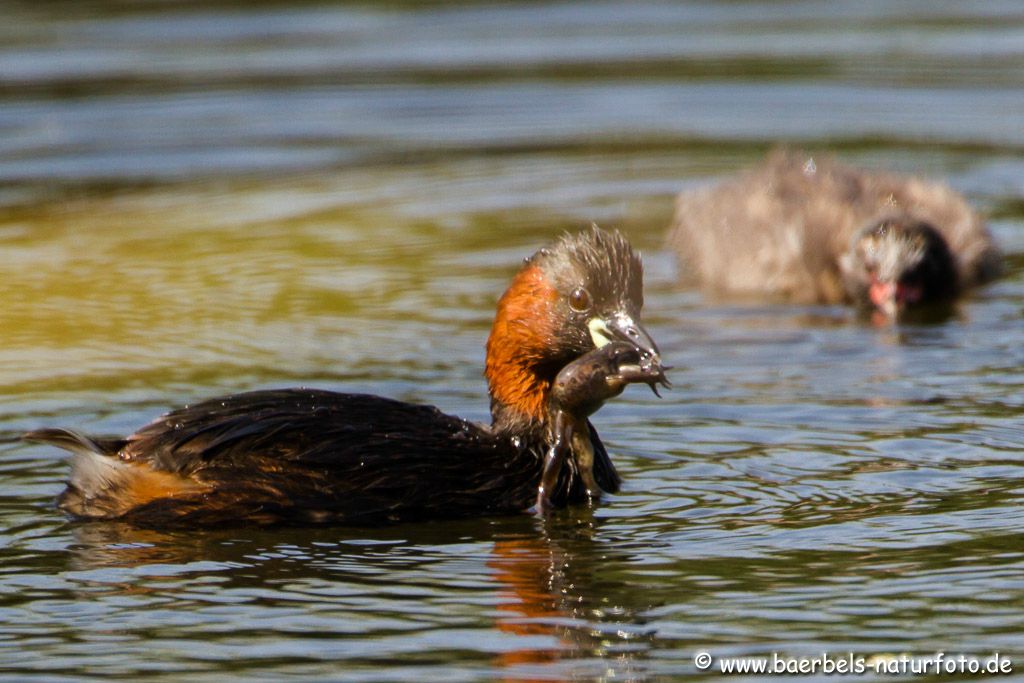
x: 622, y: 327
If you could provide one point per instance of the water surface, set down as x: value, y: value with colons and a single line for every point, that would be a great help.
x: 198, y: 198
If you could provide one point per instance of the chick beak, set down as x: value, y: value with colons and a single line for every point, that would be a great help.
x: 621, y: 327
x: 892, y: 298
x: 883, y: 296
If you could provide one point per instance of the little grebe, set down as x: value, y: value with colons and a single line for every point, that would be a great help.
x: 824, y: 232
x: 566, y: 337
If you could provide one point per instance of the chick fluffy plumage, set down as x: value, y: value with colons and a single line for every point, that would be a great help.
x: 780, y: 230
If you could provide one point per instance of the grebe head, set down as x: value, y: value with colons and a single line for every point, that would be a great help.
x: 898, y: 264
x: 581, y: 293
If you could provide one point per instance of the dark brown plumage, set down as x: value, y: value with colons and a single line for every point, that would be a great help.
x: 310, y: 456
x: 793, y: 228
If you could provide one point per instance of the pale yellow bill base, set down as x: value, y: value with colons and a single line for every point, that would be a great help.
x: 599, y: 332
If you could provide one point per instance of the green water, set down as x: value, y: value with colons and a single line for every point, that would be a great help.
x: 199, y: 198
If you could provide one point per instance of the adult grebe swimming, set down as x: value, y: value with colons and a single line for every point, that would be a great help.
x: 566, y: 337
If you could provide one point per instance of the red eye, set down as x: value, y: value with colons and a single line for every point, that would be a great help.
x: 579, y: 300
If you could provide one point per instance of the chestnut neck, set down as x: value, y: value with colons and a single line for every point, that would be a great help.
x: 518, y: 370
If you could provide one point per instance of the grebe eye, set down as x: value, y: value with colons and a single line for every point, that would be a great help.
x: 579, y: 300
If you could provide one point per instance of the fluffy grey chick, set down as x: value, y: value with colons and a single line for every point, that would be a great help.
x: 818, y: 231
